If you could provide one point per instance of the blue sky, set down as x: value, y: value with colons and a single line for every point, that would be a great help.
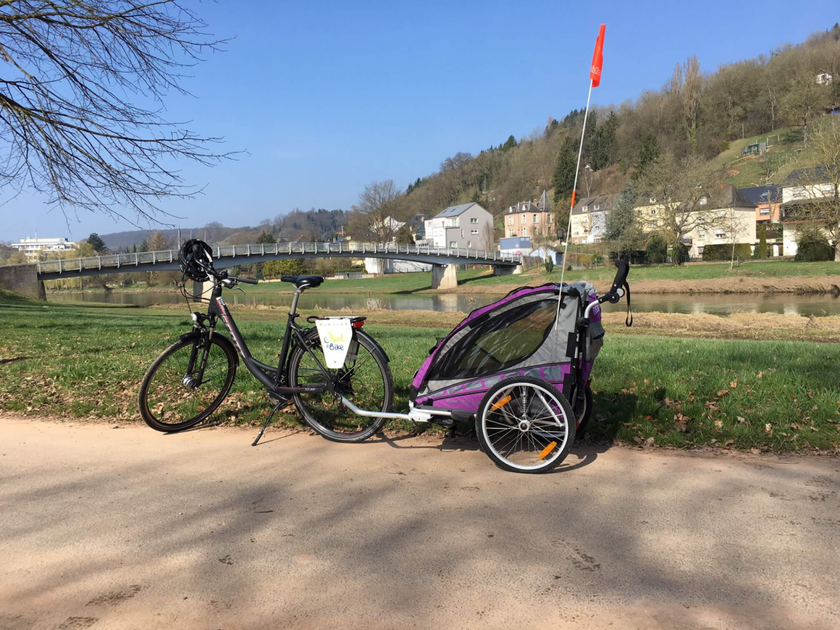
x: 327, y: 96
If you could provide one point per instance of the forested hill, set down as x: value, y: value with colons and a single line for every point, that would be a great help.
x: 707, y: 114
x: 698, y: 111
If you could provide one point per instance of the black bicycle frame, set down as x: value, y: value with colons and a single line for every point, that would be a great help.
x: 273, y: 379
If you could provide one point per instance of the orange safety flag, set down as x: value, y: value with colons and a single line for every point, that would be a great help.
x: 598, y: 58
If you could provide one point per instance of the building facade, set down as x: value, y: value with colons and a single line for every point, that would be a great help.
x: 589, y: 218
x: 531, y: 219
x: 802, y: 193
x: 464, y: 226
x: 32, y: 247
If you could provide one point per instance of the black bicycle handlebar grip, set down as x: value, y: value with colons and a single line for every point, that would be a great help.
x: 620, y: 275
x: 247, y: 280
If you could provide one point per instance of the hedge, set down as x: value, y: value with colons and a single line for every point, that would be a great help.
x: 724, y: 252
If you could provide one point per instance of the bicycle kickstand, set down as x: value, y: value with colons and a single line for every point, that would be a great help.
x: 267, y: 420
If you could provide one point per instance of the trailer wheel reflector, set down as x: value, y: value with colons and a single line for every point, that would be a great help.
x: 547, y: 450
x: 501, y: 403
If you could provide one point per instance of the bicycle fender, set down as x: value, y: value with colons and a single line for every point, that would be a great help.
x: 194, y: 335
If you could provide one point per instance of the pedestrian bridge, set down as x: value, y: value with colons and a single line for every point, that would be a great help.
x: 443, y: 260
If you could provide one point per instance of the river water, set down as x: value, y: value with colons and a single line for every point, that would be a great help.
x: 806, y: 305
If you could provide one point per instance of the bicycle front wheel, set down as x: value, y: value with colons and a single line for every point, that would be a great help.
x: 174, y: 396
x: 364, y: 379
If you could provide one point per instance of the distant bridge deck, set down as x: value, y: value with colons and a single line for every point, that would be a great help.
x: 233, y: 255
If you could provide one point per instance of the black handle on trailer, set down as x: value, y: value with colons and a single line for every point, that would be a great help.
x: 619, y: 282
x: 620, y: 278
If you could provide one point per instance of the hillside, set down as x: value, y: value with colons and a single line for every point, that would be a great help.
x: 697, y: 113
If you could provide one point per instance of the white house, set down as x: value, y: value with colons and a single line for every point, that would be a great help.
x: 802, y: 191
x: 466, y: 225
x: 33, y: 246
x: 730, y: 217
x: 589, y: 218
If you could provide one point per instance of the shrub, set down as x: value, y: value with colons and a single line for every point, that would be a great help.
x: 657, y: 249
x: 761, y: 248
x: 813, y: 246
x: 724, y: 251
x: 549, y: 265
x: 291, y: 267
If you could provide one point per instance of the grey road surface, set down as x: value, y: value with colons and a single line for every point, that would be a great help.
x: 106, y: 527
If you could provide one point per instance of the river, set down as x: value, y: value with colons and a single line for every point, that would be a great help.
x: 806, y: 305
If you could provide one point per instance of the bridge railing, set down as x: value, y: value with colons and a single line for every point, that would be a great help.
x: 118, y: 261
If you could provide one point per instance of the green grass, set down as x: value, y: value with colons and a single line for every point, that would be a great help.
x: 73, y: 361
x: 478, y: 279
x: 752, y: 170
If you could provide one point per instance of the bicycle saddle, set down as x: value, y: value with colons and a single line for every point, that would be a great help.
x: 303, y: 282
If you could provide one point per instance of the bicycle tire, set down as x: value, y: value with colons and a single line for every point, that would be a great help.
x: 544, y: 427
x: 152, y: 411
x: 323, y: 412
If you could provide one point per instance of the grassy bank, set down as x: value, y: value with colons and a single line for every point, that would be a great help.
x: 73, y: 361
x: 749, y: 277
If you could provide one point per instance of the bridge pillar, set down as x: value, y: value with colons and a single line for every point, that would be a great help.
x: 22, y: 279
x: 507, y: 271
x: 444, y: 277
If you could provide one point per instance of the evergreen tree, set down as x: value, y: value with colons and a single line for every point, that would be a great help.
x: 97, y: 243
x: 761, y: 250
x: 564, y: 171
x: 144, y: 246
x: 621, y: 230
x: 649, y: 151
x: 510, y: 144
x: 266, y: 238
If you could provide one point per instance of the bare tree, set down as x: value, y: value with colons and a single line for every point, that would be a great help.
x: 488, y: 237
x: 690, y: 96
x: 70, y: 122
x: 805, y: 98
x: 373, y: 217
x: 681, y: 190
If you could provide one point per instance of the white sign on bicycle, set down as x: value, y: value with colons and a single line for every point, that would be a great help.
x: 335, y: 335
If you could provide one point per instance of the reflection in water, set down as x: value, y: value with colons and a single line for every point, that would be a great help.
x: 806, y: 305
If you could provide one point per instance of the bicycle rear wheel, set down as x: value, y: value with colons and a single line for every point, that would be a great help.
x: 364, y: 379
x: 171, y: 396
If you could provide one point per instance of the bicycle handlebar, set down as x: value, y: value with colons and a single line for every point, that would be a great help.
x: 247, y: 280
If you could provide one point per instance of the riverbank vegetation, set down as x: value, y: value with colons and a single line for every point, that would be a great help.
x: 83, y: 362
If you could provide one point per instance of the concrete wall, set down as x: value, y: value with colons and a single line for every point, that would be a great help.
x: 22, y: 279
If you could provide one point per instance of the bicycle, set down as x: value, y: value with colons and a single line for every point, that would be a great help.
x: 190, y: 380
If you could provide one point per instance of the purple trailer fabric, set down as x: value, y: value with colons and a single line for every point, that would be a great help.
x: 421, y: 373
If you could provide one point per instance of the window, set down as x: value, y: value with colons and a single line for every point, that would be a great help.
x: 704, y: 201
x: 719, y: 233
x: 510, y: 220
x: 653, y: 199
x: 765, y: 212
x: 498, y: 342
x: 474, y: 220
x: 524, y: 231
x: 586, y: 208
x: 469, y: 244
x: 653, y: 213
x: 524, y: 218
x: 462, y: 233
x: 597, y: 207
x: 551, y: 218
x: 536, y: 218
x: 701, y: 233
x: 473, y: 231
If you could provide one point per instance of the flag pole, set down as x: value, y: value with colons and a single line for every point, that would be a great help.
x: 574, y: 187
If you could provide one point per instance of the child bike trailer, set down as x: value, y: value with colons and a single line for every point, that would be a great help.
x: 514, y: 366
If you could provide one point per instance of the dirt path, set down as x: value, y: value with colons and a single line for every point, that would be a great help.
x: 105, y: 527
